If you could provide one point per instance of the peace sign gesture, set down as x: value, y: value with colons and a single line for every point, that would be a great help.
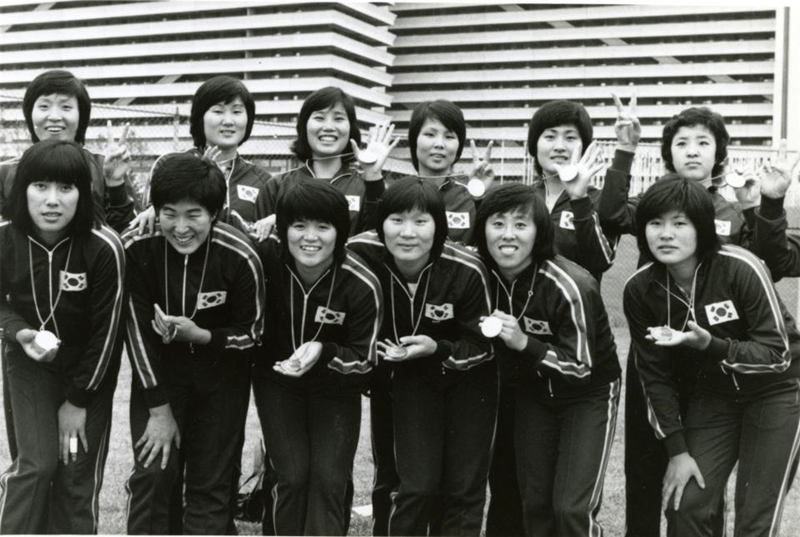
x: 379, y: 146
x: 627, y: 128
x: 776, y: 178
x: 481, y: 171
x: 117, y: 161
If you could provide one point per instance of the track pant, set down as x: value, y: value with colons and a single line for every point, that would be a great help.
x: 209, y: 403
x: 443, y: 434
x: 563, y: 445
x: 385, y: 479
x: 311, y: 429
x: 505, y: 505
x: 762, y: 432
x: 646, y: 462
x: 38, y: 492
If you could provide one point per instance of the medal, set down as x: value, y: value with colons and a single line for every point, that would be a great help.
x: 46, y: 340
x: 292, y: 364
x: 367, y: 156
x: 661, y: 333
x: 491, y: 326
x: 476, y: 188
x: 396, y: 352
x: 735, y: 180
x: 169, y: 335
x: 568, y: 173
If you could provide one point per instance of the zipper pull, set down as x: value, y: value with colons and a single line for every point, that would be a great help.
x: 550, y: 387
x: 191, y: 347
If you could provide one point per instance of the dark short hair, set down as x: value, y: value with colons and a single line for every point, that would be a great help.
x: 554, y: 113
x: 220, y: 89
x: 58, y: 161
x: 407, y: 195
x: 516, y: 197
x: 320, y: 100
x: 316, y: 201
x: 61, y: 83
x: 674, y: 193
x: 187, y: 177
x: 691, y: 117
x: 447, y: 113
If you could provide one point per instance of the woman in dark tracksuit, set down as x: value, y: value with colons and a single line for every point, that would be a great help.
x: 328, y: 140
x: 557, y: 347
x: 443, y: 380
x: 711, y: 313
x: 325, y: 310
x: 560, y: 134
x: 196, y: 308
x: 63, y: 275
x: 694, y: 146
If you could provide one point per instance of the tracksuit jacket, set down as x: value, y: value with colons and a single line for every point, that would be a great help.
x: 578, y: 235
x: 113, y: 206
x: 362, y: 196
x: 451, y: 297
x: 230, y: 304
x: 753, y: 336
x: 346, y: 319
x: 570, y: 346
x: 246, y: 201
x: 460, y: 206
x: 88, y: 312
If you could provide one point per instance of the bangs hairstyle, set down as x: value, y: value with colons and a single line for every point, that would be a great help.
x: 220, y: 89
x: 554, y: 114
x: 447, y: 113
x: 60, y: 83
x: 320, y: 100
x: 316, y: 201
x: 513, y: 198
x: 677, y: 194
x: 57, y: 161
x: 691, y: 117
x: 186, y: 177
x: 407, y: 195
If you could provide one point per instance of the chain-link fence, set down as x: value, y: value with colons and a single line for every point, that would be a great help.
x: 158, y: 131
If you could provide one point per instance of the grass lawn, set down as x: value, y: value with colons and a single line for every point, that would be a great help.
x: 612, y: 516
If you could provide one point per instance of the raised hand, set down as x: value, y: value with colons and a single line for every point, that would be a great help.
x: 585, y: 168
x: 117, y: 161
x: 481, y: 168
x: 627, y: 127
x: 379, y: 145
x: 777, y: 177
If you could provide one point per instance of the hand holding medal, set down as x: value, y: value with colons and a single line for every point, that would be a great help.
x: 407, y: 348
x: 696, y: 337
x: 301, y: 361
x: 39, y: 345
x: 162, y: 327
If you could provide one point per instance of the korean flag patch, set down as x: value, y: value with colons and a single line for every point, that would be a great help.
x: 457, y: 220
x: 723, y: 227
x: 210, y: 300
x: 566, y: 220
x: 439, y: 313
x: 73, y: 281
x: 353, y: 203
x: 247, y: 193
x: 541, y: 328
x: 328, y: 316
x: 721, y: 312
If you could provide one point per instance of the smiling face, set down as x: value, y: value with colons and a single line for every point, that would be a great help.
x: 311, y: 244
x: 52, y: 207
x: 555, y: 147
x: 328, y: 131
x: 694, y: 152
x: 437, y: 147
x: 509, y: 239
x: 672, y: 239
x: 409, y: 238
x: 186, y: 225
x: 224, y: 125
x: 55, y: 116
